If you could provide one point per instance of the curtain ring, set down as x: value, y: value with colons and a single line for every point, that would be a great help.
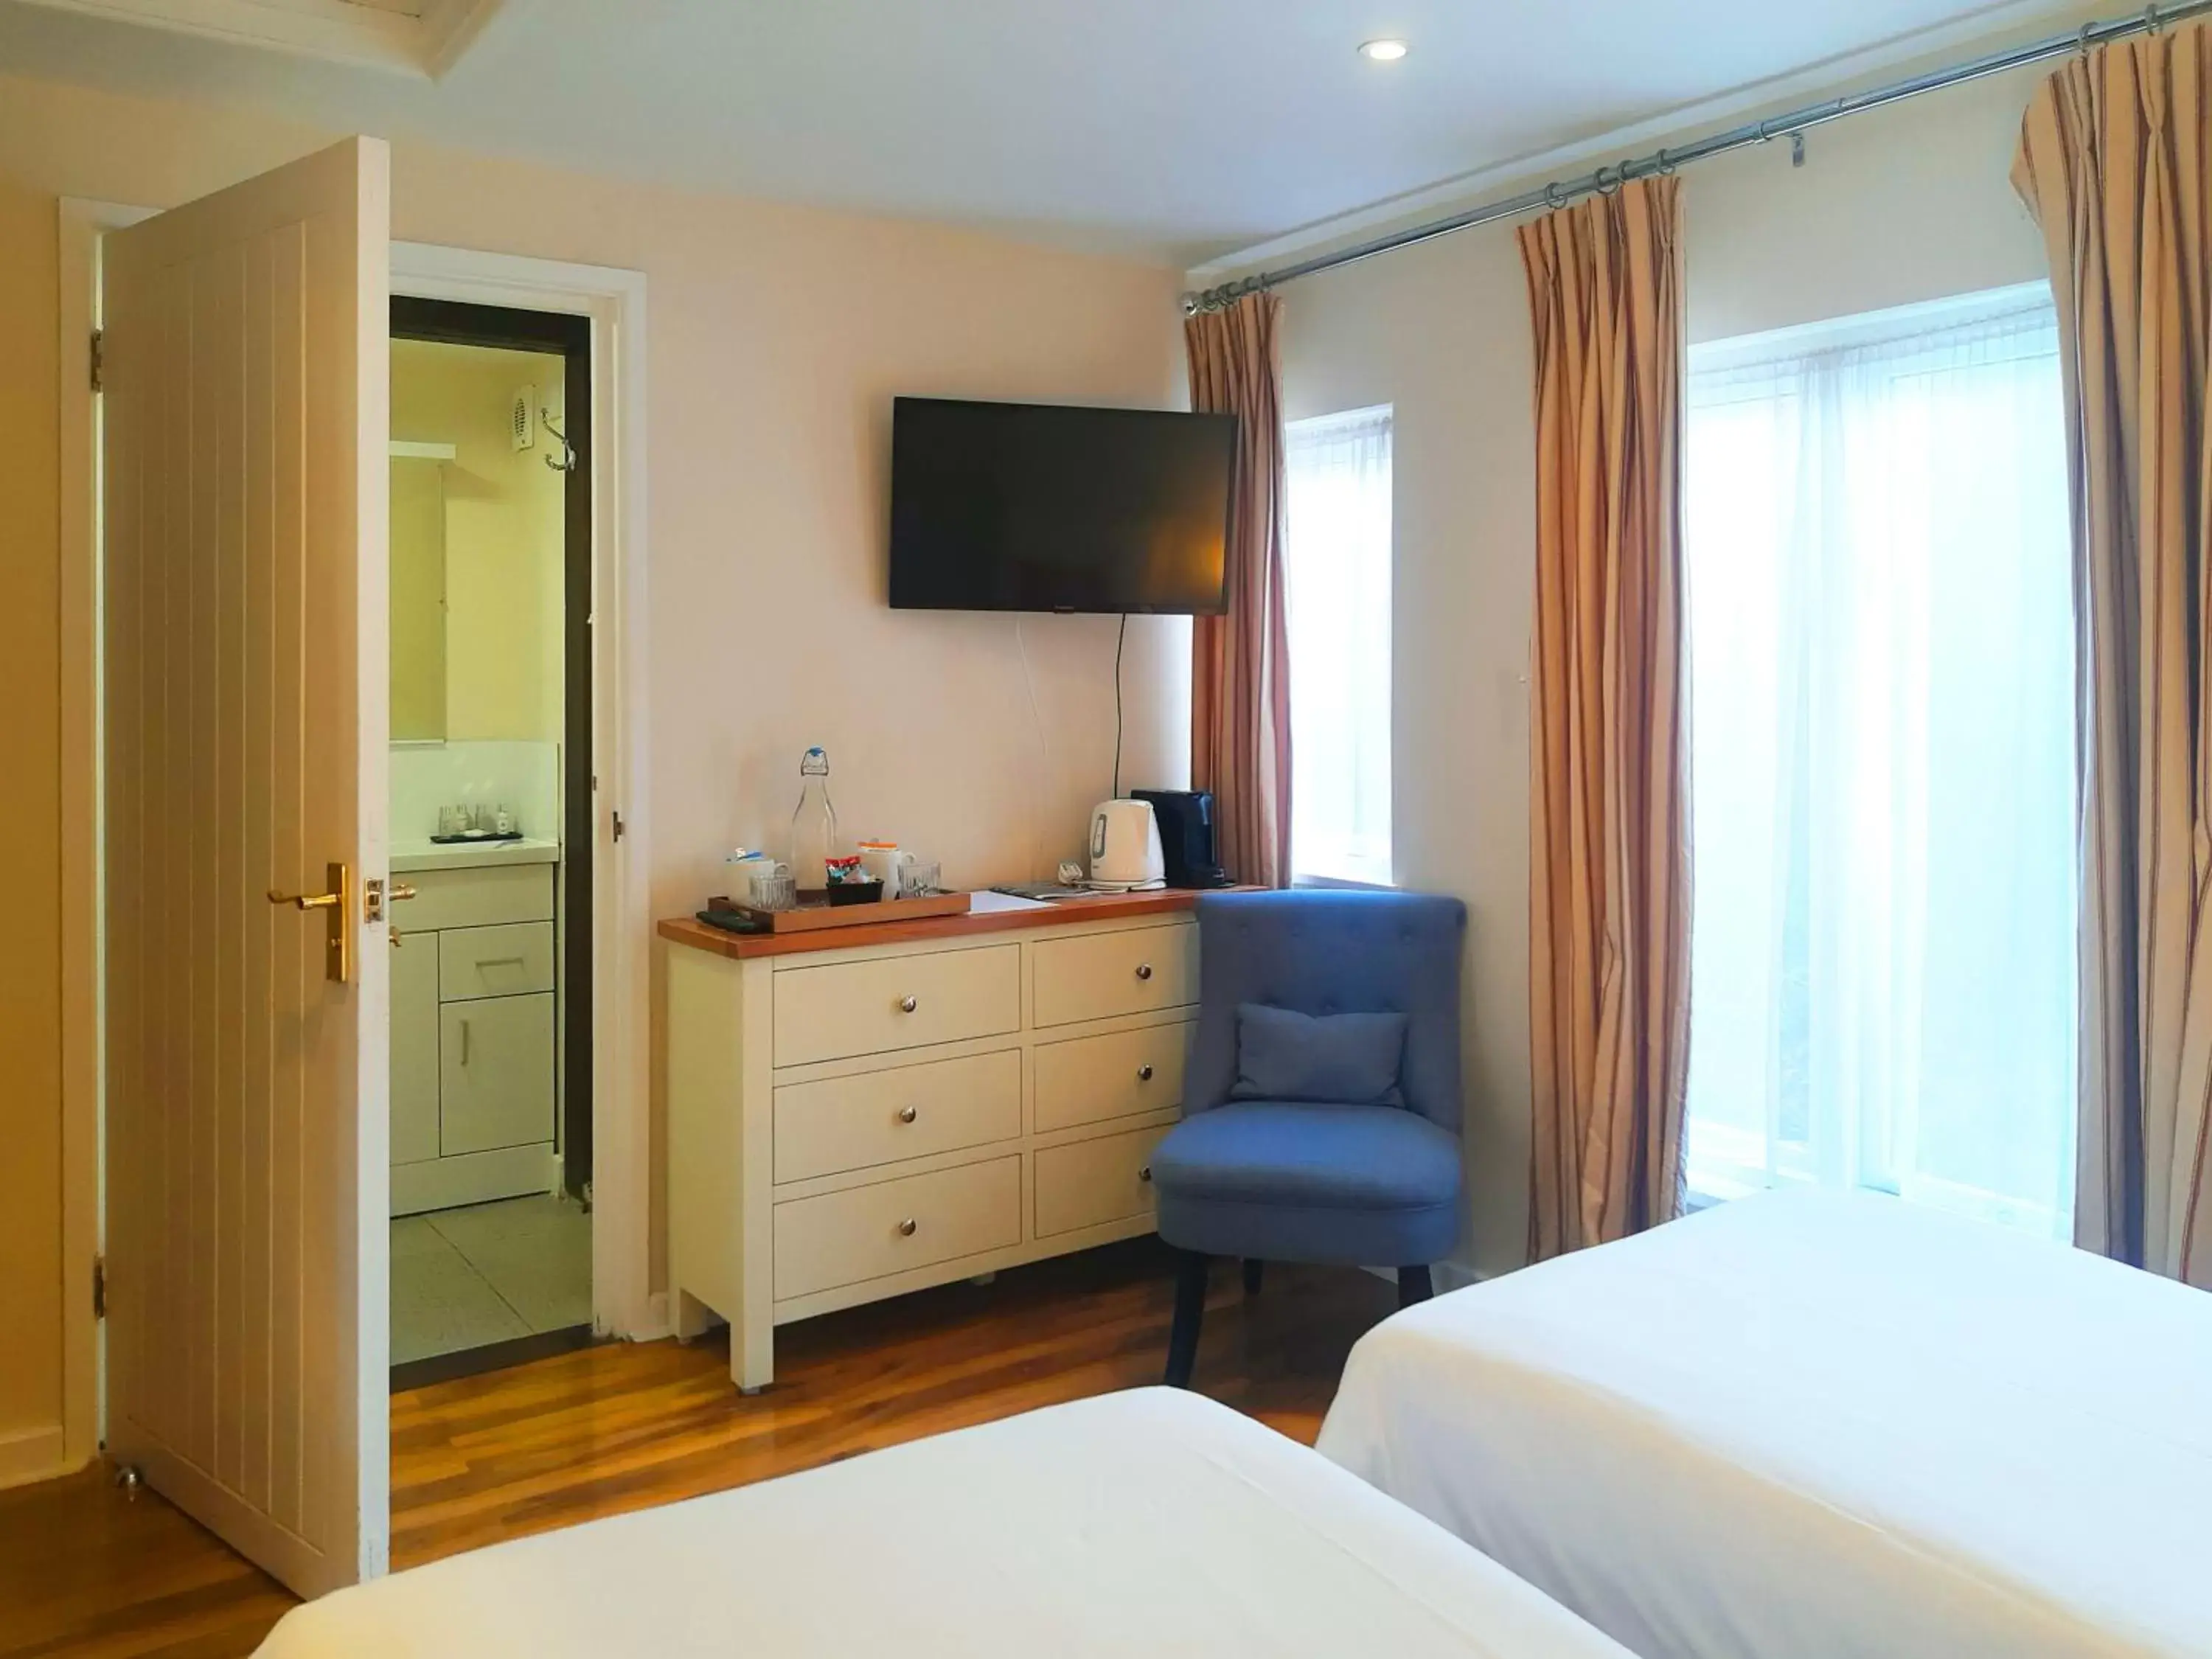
x: 1554, y: 197
x: 1604, y: 189
x: 2081, y: 42
x: 1666, y: 166
x: 2153, y: 19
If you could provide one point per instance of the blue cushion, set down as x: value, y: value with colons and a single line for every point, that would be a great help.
x: 1293, y: 1182
x: 1338, y: 1059
x: 1351, y: 1157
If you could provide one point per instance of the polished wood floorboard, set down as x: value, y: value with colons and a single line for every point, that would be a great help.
x: 85, y: 1570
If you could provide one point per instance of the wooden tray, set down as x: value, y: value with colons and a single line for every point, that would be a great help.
x: 813, y: 914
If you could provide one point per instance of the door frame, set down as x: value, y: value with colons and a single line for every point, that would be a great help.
x: 624, y: 1304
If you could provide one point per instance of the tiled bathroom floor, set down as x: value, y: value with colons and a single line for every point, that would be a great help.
x: 464, y: 1278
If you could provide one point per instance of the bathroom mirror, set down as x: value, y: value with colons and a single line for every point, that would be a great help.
x: 477, y: 544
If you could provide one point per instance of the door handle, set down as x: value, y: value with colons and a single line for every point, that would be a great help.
x: 336, y: 903
x: 400, y: 890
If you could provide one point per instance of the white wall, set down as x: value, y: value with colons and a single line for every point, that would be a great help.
x: 1909, y: 203
x: 36, y: 1273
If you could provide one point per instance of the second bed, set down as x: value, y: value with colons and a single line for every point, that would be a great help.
x: 1816, y: 1424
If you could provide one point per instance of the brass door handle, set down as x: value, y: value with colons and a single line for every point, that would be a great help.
x: 307, y: 901
x: 398, y: 890
x: 337, y: 903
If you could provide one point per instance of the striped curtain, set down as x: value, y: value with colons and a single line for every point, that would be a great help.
x: 1240, y: 671
x: 2113, y: 161
x: 1609, y: 862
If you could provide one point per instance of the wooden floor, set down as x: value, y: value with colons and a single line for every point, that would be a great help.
x: 86, y: 1571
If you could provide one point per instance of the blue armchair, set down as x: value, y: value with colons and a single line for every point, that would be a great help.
x: 1306, y: 1179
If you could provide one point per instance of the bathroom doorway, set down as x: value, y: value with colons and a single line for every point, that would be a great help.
x: 491, y: 825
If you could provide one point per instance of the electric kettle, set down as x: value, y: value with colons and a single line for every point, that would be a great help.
x: 1125, y: 846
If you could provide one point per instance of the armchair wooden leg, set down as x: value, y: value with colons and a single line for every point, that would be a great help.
x: 1189, y: 1312
x: 1414, y: 1285
x: 1253, y: 1266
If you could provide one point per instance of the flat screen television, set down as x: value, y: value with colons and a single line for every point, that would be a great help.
x: 1030, y: 507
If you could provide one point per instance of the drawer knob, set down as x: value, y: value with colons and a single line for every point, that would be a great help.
x: 907, y: 1115
x: 1144, y: 970
x: 1144, y: 1074
x: 906, y: 1228
x: 1144, y: 1174
x: 908, y: 1004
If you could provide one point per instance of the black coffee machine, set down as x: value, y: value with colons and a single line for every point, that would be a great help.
x: 1186, y: 821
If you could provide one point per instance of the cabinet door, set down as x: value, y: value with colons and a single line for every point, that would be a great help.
x: 495, y: 1067
x: 415, y: 1050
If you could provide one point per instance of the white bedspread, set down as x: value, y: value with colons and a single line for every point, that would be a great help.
x: 1147, y: 1522
x: 1810, y: 1425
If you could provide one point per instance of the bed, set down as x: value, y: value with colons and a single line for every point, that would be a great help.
x: 1815, y: 1424
x: 1151, y: 1521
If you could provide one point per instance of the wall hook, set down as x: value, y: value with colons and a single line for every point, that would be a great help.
x: 567, y: 460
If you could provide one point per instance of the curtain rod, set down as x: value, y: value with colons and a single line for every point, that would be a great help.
x: 1608, y: 179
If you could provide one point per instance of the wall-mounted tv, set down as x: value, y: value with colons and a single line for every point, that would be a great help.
x: 1030, y: 507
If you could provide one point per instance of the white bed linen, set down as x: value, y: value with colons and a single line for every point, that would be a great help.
x: 1815, y: 1424
x: 1147, y: 1522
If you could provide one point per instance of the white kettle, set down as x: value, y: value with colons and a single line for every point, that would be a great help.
x: 1125, y: 846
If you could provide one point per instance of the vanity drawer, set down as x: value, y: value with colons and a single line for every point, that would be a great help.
x: 1097, y: 975
x: 487, y: 897
x: 871, y: 1232
x: 1094, y: 1181
x: 911, y: 1111
x: 1122, y: 1074
x: 495, y: 962
x: 890, y: 1003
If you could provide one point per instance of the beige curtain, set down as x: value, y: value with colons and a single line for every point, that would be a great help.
x: 1609, y: 888
x: 1240, y: 669
x: 2114, y: 163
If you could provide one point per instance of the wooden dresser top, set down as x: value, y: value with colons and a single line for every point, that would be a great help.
x: 1104, y: 907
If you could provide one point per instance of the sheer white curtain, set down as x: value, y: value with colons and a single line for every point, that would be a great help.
x: 1881, y: 654
x: 1336, y: 559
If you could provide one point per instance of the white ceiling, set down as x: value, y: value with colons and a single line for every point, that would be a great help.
x: 1176, y: 127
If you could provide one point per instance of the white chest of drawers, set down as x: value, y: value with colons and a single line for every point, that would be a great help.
x: 853, y: 1122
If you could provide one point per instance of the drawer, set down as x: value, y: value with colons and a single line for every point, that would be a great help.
x: 869, y: 1232
x: 1094, y: 1181
x: 489, y: 898
x: 1101, y: 974
x: 913, y: 1111
x: 495, y: 962
x: 495, y: 1073
x: 875, y: 1007
x: 1094, y: 1080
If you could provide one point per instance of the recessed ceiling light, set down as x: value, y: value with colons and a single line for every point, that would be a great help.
x: 1383, y: 52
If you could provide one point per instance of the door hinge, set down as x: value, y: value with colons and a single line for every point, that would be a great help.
x: 618, y: 826
x: 100, y: 1287
x: 99, y: 358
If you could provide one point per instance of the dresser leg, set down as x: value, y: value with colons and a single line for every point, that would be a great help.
x: 752, y: 1355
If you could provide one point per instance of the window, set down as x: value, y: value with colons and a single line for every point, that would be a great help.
x: 1336, y: 553
x: 1882, y: 695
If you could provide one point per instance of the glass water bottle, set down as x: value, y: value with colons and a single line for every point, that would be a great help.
x: 814, y: 839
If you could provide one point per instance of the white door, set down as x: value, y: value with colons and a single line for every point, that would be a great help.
x: 245, y: 706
